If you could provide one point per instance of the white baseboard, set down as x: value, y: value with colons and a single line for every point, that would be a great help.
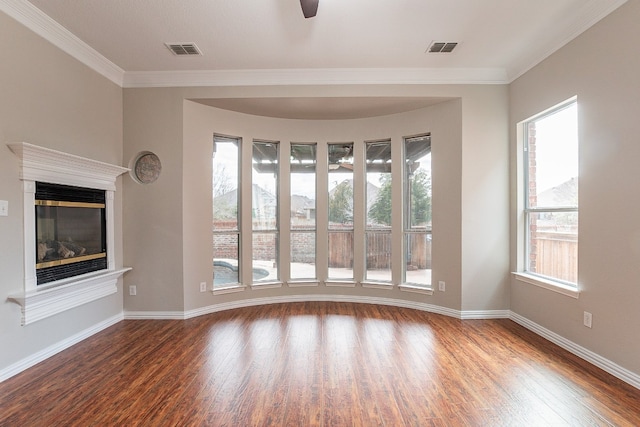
x: 46, y: 353
x: 485, y: 314
x: 583, y: 353
x: 154, y: 315
x: 478, y: 314
x: 320, y: 297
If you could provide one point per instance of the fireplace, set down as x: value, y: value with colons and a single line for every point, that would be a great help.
x: 70, y: 251
x: 70, y: 231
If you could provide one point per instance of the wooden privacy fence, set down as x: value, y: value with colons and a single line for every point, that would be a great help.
x: 378, y: 251
x: 556, y: 255
x: 340, y: 249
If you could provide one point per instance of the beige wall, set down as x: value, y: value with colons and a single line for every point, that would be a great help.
x: 52, y: 100
x: 485, y: 217
x: 171, y: 255
x: 601, y: 67
x: 49, y: 99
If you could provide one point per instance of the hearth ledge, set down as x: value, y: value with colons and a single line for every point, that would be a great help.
x: 66, y: 294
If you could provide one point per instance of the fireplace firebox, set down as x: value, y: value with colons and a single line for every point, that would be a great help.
x: 70, y: 231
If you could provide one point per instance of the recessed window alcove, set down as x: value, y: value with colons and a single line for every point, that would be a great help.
x: 51, y: 244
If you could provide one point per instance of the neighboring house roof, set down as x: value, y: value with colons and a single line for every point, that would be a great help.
x: 565, y: 194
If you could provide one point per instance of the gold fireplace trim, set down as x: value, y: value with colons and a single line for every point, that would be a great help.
x: 69, y: 204
x: 72, y: 260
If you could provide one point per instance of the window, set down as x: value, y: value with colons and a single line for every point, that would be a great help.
x: 392, y: 237
x: 340, y: 159
x: 417, y: 210
x: 551, y: 194
x: 378, y: 218
x: 226, y: 208
x: 303, y: 211
x: 264, y: 211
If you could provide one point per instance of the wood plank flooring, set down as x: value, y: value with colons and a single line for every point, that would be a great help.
x: 317, y: 364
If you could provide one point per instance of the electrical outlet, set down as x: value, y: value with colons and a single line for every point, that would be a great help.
x: 132, y: 290
x: 203, y: 286
x: 441, y: 286
x: 588, y: 318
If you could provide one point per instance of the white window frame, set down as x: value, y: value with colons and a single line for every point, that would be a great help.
x: 523, y: 274
x: 373, y: 230
x: 408, y: 228
x: 275, y: 231
x: 304, y: 281
x: 231, y: 287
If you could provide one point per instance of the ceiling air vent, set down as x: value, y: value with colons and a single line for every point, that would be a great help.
x: 184, y: 48
x: 442, y: 47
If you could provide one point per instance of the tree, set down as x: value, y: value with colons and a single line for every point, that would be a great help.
x: 221, y: 180
x: 420, y: 198
x: 225, y: 198
x: 380, y: 211
x: 341, y: 203
x: 419, y: 204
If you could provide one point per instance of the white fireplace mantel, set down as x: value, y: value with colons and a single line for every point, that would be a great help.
x: 39, y: 164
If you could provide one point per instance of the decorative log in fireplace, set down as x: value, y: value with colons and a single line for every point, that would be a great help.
x: 70, y: 231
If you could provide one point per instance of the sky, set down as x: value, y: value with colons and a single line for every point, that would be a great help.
x: 556, y: 148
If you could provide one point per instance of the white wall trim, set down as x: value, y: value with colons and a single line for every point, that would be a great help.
x: 54, y: 349
x: 431, y: 308
x: 41, y: 24
x: 47, y: 165
x: 574, y: 25
x: 485, y: 314
x: 319, y: 297
x: 583, y: 353
x: 154, y: 315
x: 418, y: 289
x: 69, y: 293
x: 550, y: 285
x: 319, y: 76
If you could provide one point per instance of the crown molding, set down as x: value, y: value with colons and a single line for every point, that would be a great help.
x: 41, y: 24
x: 584, y: 18
x: 320, y: 76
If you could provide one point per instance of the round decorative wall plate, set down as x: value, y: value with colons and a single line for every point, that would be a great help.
x: 146, y: 167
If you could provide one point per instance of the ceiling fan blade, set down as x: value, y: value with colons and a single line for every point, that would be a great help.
x: 309, y: 8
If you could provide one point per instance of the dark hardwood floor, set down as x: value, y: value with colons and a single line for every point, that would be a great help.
x: 317, y: 364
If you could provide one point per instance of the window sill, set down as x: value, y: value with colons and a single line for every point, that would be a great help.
x: 266, y: 285
x: 66, y: 294
x: 340, y: 283
x: 551, y: 285
x: 408, y: 287
x: 377, y: 285
x: 302, y: 283
x: 228, y: 289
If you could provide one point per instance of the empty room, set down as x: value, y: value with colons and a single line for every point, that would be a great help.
x: 312, y: 212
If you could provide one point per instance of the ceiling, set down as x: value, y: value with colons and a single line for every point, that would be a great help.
x: 269, y: 42
x: 329, y: 108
